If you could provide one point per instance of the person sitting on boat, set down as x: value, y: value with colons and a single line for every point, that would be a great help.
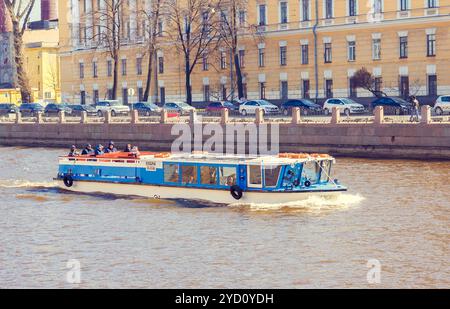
x: 73, y: 151
x: 135, y: 151
x: 128, y: 148
x: 111, y: 148
x: 99, y: 150
x: 88, y: 150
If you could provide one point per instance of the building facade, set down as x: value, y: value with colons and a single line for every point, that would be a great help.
x: 304, y: 48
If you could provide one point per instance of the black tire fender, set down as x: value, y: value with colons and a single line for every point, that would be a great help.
x: 68, y: 181
x: 236, y: 192
x: 307, y: 183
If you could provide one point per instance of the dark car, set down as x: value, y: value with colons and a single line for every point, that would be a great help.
x: 78, y: 109
x: 394, y: 106
x: 145, y: 108
x: 306, y: 106
x: 216, y: 107
x: 31, y: 108
x: 6, y: 109
x: 54, y: 109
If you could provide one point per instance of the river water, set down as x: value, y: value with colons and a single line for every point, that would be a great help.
x: 394, y: 222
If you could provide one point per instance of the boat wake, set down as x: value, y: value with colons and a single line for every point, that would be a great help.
x: 16, y: 183
x: 313, y: 204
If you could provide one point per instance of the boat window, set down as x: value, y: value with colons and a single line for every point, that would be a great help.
x: 271, y: 174
x: 171, y: 173
x: 208, y: 175
x: 311, y: 171
x: 189, y: 174
x: 227, y: 176
x: 255, y: 175
x: 325, y: 171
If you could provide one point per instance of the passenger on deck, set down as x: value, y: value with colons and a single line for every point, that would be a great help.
x: 135, y: 151
x: 111, y: 148
x: 88, y: 150
x: 128, y: 148
x: 99, y: 151
x: 73, y: 151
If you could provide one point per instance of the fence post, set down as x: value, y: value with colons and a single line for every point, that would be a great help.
x: 62, y: 116
x: 134, y: 116
x: 224, y: 116
x: 193, y: 116
x: 39, y: 117
x: 108, y: 118
x: 163, y: 116
x: 296, y: 118
x: 335, y: 116
x: 84, y: 118
x: 18, y: 117
x: 425, y: 113
x: 379, y: 114
x: 259, y: 116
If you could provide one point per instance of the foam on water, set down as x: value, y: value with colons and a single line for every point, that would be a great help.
x: 17, y: 183
x: 311, y: 204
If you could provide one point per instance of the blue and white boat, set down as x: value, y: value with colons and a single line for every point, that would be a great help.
x: 223, y: 179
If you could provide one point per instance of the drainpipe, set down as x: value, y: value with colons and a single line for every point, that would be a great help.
x: 316, y: 63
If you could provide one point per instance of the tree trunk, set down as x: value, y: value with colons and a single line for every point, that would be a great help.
x: 240, y: 86
x: 188, y: 81
x: 22, y: 77
x: 115, y: 77
x: 149, y: 75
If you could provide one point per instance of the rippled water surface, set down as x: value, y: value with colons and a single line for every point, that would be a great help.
x: 397, y: 212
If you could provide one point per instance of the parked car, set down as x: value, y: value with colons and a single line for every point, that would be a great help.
x: 31, y: 109
x: 250, y: 107
x: 442, y: 105
x: 178, y: 107
x: 392, y: 105
x: 54, y: 109
x: 346, y: 106
x: 145, y: 108
x: 6, y: 109
x: 216, y: 107
x: 306, y: 106
x: 78, y: 109
x: 113, y: 106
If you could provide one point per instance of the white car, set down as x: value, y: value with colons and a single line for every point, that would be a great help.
x: 346, y: 106
x: 442, y: 105
x: 178, y: 107
x: 113, y: 106
x: 249, y: 107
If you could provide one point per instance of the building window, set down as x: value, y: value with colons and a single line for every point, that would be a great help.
x: 283, y: 55
x: 404, y: 5
x: 262, y: 15
x: 161, y: 65
x: 377, y: 6
x: 83, y: 97
x: 431, y: 45
x: 404, y: 87
x: 378, y: 83
x: 328, y: 53
x: 94, y: 69
x: 244, y: 90
x: 305, y: 52
x: 162, y: 95
x: 262, y: 90
x: 124, y: 67
x: 328, y: 9
x: 329, y: 88
x: 81, y: 70
x: 432, y: 85
x: 242, y: 18
x: 206, y: 96
x: 404, y: 47
x: 261, y: 57
x: 284, y: 90
x: 432, y: 4
x: 283, y: 13
x: 305, y: 10
x: 205, y: 64
x: 139, y: 66
x: 95, y: 97
x: 224, y: 92
x: 352, y: 88
x: 305, y: 88
x: 242, y: 58
x: 223, y: 60
x: 352, y: 51
x: 125, y: 95
x: 352, y: 8
x: 140, y: 94
x: 376, y: 49
x: 109, y: 67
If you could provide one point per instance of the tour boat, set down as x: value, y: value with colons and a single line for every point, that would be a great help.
x: 214, y: 178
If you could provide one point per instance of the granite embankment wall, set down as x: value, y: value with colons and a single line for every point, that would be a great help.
x: 373, y: 140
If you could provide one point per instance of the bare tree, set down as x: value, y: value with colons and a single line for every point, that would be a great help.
x: 416, y: 86
x: 365, y: 80
x: 193, y: 31
x: 152, y: 17
x: 52, y: 77
x: 20, y: 11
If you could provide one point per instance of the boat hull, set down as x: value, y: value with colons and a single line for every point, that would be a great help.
x: 187, y: 193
